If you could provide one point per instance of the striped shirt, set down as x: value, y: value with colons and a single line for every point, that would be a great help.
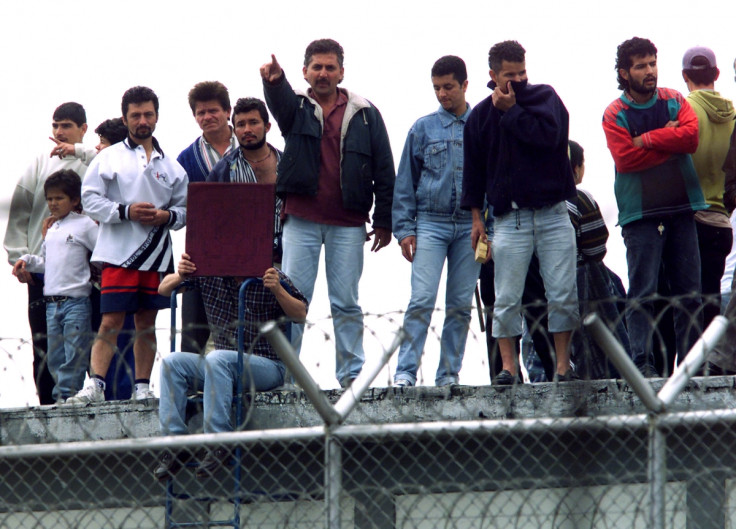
x: 591, y: 233
x: 210, y: 156
x: 242, y: 172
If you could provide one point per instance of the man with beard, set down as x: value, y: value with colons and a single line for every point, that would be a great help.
x: 137, y: 194
x: 210, y: 104
x: 515, y: 150
x: 256, y: 160
x: 651, y: 132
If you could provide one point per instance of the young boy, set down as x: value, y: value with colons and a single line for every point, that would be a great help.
x: 64, y: 259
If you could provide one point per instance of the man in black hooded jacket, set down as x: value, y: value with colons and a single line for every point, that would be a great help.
x: 516, y: 155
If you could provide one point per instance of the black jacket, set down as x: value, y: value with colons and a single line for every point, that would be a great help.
x: 519, y: 155
x: 366, y: 161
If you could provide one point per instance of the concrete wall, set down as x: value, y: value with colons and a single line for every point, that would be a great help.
x: 561, y: 479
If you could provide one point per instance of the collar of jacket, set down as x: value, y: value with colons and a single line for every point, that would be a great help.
x: 132, y: 145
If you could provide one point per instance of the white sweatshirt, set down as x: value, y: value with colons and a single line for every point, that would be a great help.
x: 64, y: 256
x: 120, y: 176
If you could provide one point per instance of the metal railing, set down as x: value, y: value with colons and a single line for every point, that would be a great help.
x: 612, y: 453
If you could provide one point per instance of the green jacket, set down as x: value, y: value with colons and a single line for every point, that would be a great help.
x: 715, y: 124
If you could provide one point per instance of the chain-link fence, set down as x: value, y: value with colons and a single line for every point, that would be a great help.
x: 581, y: 454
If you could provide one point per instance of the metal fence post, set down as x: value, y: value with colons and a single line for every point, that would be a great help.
x: 656, y: 470
x: 333, y: 480
x: 657, y: 404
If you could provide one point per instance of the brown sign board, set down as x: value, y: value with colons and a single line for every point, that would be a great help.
x: 230, y: 228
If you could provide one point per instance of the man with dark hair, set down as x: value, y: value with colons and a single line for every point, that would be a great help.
x: 651, y: 132
x: 275, y: 298
x: 137, y: 194
x: 27, y: 211
x: 431, y: 227
x: 118, y: 380
x: 255, y: 161
x: 140, y: 96
x: 110, y: 132
x: 516, y: 156
x: 337, y: 158
x: 715, y: 124
x: 210, y: 104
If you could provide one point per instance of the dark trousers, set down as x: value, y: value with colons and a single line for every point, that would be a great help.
x: 715, y: 245
x: 37, y: 321
x: 657, y: 250
x: 195, y: 330
x: 534, y: 310
x: 600, y: 292
x: 121, y: 374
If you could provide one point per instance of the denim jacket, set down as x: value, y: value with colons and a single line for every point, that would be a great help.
x: 430, y: 175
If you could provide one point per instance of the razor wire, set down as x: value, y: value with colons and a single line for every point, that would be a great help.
x: 546, y: 454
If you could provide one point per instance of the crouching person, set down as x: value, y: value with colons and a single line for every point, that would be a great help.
x: 216, y: 373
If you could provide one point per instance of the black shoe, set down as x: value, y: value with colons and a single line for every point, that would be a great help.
x: 169, y: 464
x: 212, y: 462
x: 504, y: 378
x: 717, y: 371
x: 649, y: 371
x: 569, y: 376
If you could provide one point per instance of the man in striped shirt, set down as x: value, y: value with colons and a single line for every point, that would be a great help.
x: 256, y: 159
x: 210, y: 104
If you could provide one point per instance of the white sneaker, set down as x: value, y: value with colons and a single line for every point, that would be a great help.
x: 144, y: 394
x: 89, y: 394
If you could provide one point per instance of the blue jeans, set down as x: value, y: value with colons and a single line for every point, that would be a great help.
x: 650, y: 243
x: 69, y: 341
x: 547, y: 232
x: 303, y: 242
x: 438, y: 240
x: 216, y: 375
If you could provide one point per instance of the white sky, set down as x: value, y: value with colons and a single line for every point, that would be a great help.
x: 91, y: 52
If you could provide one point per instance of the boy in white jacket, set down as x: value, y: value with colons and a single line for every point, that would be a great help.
x: 64, y: 259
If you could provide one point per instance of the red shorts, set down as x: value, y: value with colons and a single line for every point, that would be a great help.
x: 127, y: 290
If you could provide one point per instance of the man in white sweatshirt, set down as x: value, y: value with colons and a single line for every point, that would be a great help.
x: 28, y: 209
x: 137, y: 194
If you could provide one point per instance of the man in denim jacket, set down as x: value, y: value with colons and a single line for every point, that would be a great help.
x: 431, y: 227
x: 336, y: 159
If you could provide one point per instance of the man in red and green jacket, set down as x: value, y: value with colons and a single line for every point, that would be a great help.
x: 651, y: 132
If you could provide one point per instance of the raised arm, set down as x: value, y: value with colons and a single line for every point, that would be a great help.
x: 279, y: 96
